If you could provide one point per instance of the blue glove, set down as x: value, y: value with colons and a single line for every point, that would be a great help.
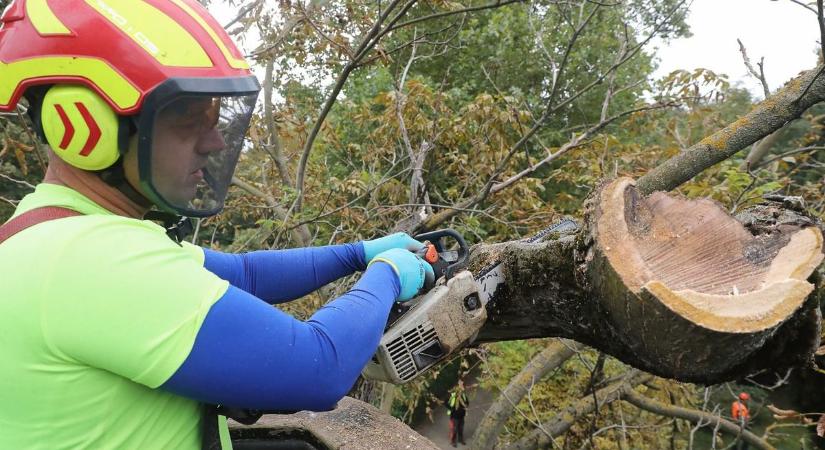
x: 409, y: 267
x: 396, y: 240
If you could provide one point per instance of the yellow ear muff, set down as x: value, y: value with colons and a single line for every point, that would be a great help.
x: 80, y: 127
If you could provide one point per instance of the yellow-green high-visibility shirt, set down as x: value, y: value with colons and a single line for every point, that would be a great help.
x: 96, y: 312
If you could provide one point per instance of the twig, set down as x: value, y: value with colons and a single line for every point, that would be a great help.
x: 367, y: 44
x: 16, y: 181
x: 497, y: 4
x: 821, y: 21
x: 574, y: 143
x: 788, y: 153
x: 804, y: 5
x: 290, y: 24
x: 11, y: 202
x: 758, y: 75
x: 242, y: 13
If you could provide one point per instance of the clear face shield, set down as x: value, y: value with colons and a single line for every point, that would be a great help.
x: 188, y: 155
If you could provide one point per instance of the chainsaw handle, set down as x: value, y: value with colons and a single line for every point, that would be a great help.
x: 437, y: 239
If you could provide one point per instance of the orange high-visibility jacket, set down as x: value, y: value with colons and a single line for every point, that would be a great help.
x: 738, y: 409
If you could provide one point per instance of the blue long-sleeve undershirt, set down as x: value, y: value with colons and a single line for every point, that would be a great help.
x: 277, y: 276
x: 248, y: 354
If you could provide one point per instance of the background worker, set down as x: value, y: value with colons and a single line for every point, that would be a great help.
x: 741, y: 415
x: 113, y: 334
x: 457, y: 409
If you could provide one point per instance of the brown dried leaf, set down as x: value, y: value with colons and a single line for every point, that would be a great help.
x: 820, y: 426
x: 5, y: 148
x: 21, y: 160
x: 820, y: 351
x: 23, y: 147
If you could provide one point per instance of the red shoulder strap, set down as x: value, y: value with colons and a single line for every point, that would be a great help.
x: 32, y: 218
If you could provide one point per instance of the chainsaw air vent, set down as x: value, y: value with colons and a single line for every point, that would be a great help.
x: 401, y: 349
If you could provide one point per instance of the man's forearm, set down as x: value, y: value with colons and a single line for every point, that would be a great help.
x: 277, y: 276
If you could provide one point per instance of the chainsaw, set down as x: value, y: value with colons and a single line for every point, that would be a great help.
x: 448, y: 315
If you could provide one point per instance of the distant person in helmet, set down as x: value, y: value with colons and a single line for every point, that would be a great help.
x: 457, y: 404
x: 113, y: 335
x: 740, y: 414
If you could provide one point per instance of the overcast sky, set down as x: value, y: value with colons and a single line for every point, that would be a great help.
x: 782, y: 32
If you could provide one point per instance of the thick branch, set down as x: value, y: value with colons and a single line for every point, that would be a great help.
x: 760, y: 150
x: 695, y: 416
x: 273, y: 144
x: 553, y: 356
x: 768, y: 116
x: 567, y: 417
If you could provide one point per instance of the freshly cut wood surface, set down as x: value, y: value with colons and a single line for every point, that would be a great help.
x: 675, y: 287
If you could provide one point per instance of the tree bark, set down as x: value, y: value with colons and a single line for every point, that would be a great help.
x: 650, y: 284
x: 695, y: 416
x: 553, y: 356
x: 352, y: 425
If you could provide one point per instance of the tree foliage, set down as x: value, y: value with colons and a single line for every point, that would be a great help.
x: 493, y: 119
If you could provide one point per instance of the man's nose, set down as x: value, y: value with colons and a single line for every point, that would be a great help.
x: 210, y: 142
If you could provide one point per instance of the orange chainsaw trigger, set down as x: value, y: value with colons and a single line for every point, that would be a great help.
x: 431, y: 255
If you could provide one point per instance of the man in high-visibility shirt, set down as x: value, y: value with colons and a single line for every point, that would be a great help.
x: 112, y: 335
x: 457, y: 409
x: 741, y: 415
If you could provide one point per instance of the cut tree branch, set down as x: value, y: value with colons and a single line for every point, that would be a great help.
x: 675, y: 287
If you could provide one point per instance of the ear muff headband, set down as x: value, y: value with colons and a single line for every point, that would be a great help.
x: 80, y: 127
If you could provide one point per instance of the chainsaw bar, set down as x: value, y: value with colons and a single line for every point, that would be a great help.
x: 492, y: 276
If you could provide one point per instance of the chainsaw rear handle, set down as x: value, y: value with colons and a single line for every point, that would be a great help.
x: 443, y: 268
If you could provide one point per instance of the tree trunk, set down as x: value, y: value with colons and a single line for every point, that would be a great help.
x: 675, y: 287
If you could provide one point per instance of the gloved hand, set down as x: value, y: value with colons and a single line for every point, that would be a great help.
x: 409, y: 267
x: 395, y: 240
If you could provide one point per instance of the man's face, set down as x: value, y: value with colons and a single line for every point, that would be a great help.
x: 185, y: 134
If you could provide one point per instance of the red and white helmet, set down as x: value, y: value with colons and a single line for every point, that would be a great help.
x: 113, y: 66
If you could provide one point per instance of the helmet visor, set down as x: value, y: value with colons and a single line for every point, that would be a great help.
x: 193, y: 147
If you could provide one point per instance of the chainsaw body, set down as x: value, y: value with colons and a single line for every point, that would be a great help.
x: 432, y: 326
